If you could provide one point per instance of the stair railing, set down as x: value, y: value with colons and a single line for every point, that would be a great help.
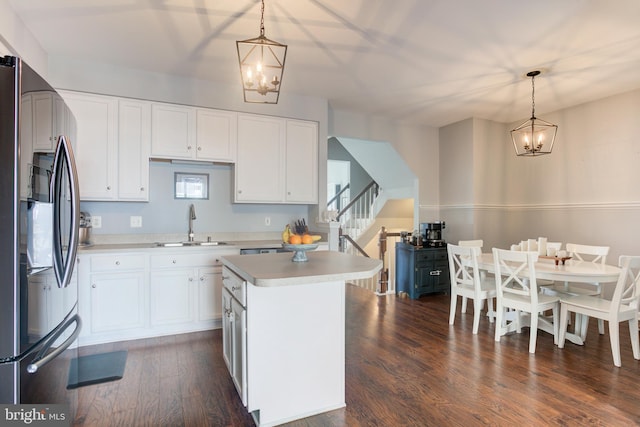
x: 337, y: 196
x: 358, y: 214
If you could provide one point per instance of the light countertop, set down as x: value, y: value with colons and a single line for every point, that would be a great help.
x: 322, y: 266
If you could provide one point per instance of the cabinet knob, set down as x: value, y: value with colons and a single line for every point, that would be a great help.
x: 174, y: 261
x: 93, y: 286
x: 191, y: 279
x: 141, y: 188
x: 199, y: 148
x: 108, y: 187
x: 239, y: 191
x: 188, y: 147
x: 117, y: 262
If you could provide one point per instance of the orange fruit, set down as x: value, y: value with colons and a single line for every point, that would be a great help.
x: 307, y: 239
x: 295, y: 239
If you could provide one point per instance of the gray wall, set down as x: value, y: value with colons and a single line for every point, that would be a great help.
x: 586, y: 191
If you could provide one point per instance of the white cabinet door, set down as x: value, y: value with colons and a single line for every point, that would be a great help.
x: 239, y: 349
x: 171, y: 296
x: 301, y: 162
x: 216, y: 135
x: 227, y: 329
x: 117, y: 301
x: 172, y: 131
x: 259, y: 175
x: 134, y: 140
x: 49, y: 120
x: 96, y: 144
x: 209, y: 293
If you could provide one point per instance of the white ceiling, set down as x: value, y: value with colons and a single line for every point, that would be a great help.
x: 433, y: 62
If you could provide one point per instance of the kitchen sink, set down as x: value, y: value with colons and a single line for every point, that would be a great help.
x: 196, y: 243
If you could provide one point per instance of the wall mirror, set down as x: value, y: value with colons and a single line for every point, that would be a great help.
x: 191, y: 185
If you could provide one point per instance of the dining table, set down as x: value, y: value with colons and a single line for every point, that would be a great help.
x: 570, y: 270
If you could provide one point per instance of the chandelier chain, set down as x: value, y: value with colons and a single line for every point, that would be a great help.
x: 533, y: 96
x: 262, y: 19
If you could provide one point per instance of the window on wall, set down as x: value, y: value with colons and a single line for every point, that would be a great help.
x: 191, y: 185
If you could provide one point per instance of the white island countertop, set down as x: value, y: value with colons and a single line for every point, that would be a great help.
x: 277, y: 269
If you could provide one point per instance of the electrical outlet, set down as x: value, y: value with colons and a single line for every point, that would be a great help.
x: 96, y: 222
x: 267, y: 220
x: 135, y: 221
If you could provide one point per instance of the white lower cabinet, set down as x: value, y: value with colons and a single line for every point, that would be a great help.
x: 117, y: 301
x: 209, y: 289
x: 149, y: 293
x: 170, y: 296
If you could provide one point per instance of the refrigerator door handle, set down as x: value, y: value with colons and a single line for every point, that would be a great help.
x: 40, y: 359
x: 62, y: 267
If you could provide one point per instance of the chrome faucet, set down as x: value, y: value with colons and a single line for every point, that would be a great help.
x: 192, y: 216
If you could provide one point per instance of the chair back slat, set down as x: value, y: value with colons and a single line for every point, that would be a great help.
x: 509, y: 268
x: 627, y: 290
x: 595, y: 254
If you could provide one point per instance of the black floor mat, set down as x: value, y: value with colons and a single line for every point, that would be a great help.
x: 96, y: 368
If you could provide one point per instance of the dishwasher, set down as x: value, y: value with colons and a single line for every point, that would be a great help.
x: 252, y: 251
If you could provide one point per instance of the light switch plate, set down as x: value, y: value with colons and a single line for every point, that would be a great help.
x: 96, y: 222
x: 135, y: 221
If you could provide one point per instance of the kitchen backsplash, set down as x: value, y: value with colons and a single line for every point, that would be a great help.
x: 164, y: 215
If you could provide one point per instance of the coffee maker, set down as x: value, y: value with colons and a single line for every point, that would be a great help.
x: 431, y: 233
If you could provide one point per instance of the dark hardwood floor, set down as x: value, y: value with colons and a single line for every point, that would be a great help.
x: 405, y: 366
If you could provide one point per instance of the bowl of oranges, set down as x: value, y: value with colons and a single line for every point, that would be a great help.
x: 299, y: 250
x: 299, y: 245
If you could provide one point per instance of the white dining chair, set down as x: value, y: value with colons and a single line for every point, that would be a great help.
x: 477, y: 243
x: 517, y: 289
x: 585, y: 253
x: 622, y: 307
x: 467, y: 282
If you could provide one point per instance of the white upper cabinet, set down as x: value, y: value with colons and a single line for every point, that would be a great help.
x: 301, y: 162
x: 111, y: 146
x: 96, y: 147
x: 49, y: 120
x: 259, y: 176
x: 172, y: 131
x: 216, y: 135
x: 182, y: 132
x: 277, y: 160
x: 134, y: 141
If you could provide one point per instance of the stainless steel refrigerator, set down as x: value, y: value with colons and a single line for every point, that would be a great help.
x: 39, y: 219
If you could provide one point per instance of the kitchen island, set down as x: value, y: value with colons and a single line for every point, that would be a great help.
x: 284, y: 331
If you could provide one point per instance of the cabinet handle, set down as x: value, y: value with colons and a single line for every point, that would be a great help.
x: 435, y: 272
x: 233, y: 288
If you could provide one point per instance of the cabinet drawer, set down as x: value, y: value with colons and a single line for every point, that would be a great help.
x: 189, y: 259
x: 432, y: 255
x: 117, y: 262
x: 235, y: 284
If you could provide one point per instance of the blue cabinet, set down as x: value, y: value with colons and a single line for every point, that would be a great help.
x: 420, y: 270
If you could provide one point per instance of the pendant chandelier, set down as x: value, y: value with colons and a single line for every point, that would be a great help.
x: 261, y: 66
x: 534, y: 137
